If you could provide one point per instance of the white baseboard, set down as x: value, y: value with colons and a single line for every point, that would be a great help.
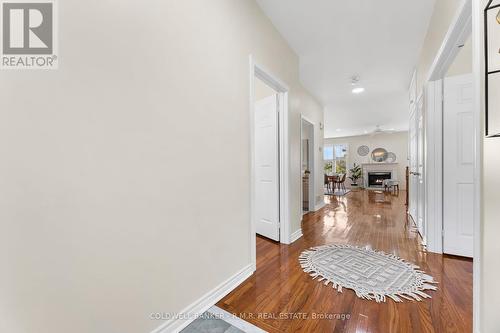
x: 175, y: 325
x: 296, y: 235
x: 320, y: 205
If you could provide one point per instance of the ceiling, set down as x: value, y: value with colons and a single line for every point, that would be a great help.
x: 378, y: 40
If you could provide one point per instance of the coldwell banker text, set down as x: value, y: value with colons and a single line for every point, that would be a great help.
x: 29, y: 39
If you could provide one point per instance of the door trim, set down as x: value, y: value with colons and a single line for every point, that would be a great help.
x: 467, y: 17
x: 459, y: 31
x: 259, y: 71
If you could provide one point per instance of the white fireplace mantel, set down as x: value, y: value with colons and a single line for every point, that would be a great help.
x: 383, y: 163
x: 379, y: 167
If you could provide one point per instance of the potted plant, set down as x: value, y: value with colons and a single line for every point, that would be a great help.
x: 355, y: 175
x: 328, y: 168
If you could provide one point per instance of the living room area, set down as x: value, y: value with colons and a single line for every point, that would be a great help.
x: 372, y: 161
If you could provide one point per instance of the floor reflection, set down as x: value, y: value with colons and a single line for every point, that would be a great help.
x: 372, y: 219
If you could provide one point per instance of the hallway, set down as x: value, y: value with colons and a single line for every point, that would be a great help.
x: 280, y: 297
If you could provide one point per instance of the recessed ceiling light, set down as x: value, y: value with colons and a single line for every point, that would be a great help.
x: 358, y: 90
x: 354, y: 80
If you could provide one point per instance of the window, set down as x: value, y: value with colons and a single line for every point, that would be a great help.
x: 340, y: 151
x: 335, y: 157
x: 340, y: 166
x: 328, y: 153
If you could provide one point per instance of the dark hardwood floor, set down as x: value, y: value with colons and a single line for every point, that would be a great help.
x: 280, y: 297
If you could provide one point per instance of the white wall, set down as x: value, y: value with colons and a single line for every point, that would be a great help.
x: 393, y: 142
x: 262, y: 90
x: 124, y: 181
x: 463, y: 61
x: 444, y: 12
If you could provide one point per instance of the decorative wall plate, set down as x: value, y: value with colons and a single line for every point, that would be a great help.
x: 363, y: 150
x: 391, y: 157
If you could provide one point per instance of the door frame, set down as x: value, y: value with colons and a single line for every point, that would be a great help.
x: 417, y: 111
x: 457, y: 35
x: 258, y: 71
x: 467, y: 19
x: 312, y: 164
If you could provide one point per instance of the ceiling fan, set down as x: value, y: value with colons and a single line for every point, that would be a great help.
x: 379, y: 130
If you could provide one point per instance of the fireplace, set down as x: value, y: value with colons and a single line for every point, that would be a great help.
x: 376, y: 179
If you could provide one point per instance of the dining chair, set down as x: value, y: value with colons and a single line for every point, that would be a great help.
x: 340, y: 182
x: 328, y: 184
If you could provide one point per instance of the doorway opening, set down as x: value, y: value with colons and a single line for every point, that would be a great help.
x: 452, y: 129
x: 453, y: 137
x: 307, y: 167
x: 269, y: 151
x: 266, y: 161
x: 443, y: 150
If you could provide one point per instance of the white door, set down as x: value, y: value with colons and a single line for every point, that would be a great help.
x: 458, y: 163
x: 413, y: 163
x: 416, y: 163
x: 421, y: 225
x: 267, y: 168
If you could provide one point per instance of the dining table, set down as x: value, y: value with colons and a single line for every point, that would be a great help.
x: 331, y: 179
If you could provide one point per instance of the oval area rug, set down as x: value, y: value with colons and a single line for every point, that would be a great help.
x: 373, y: 275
